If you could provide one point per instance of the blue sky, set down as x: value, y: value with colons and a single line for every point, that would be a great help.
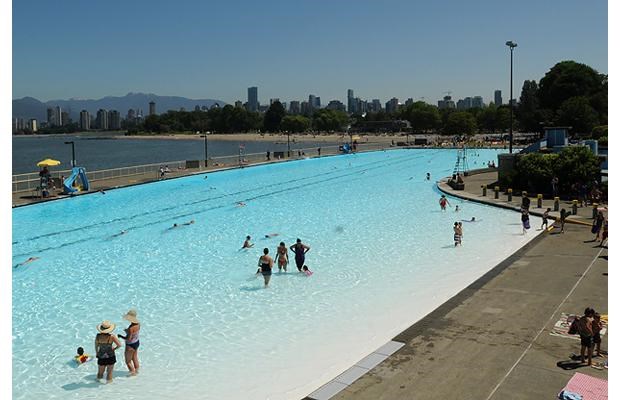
x: 291, y: 49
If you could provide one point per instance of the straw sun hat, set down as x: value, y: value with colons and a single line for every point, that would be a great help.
x: 106, y: 327
x: 131, y: 316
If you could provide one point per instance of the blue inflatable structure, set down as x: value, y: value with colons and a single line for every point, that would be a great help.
x: 75, y: 173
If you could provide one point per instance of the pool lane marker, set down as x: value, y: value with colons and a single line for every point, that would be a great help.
x: 344, y: 380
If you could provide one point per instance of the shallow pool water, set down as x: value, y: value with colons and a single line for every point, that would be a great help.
x: 382, y: 253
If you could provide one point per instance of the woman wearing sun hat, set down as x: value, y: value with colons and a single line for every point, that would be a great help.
x: 132, y: 341
x: 105, y: 342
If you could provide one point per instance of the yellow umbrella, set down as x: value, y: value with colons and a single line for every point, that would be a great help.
x: 48, y: 162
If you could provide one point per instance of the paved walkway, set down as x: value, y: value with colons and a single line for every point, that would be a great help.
x: 473, y: 191
x: 492, y: 341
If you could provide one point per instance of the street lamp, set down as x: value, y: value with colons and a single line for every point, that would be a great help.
x: 512, y: 45
x: 288, y: 143
x: 206, y: 153
x: 72, y: 143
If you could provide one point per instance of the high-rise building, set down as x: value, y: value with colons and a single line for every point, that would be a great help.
x: 238, y: 104
x: 336, y: 105
x: 151, y: 108
x: 376, y: 105
x: 305, y: 108
x: 350, y: 101
x: 253, y: 98
x: 392, y: 105
x: 32, y: 125
x: 114, y: 120
x: 477, y: 102
x: 102, y: 119
x: 271, y: 101
x: 85, y: 120
x: 447, y: 102
x: 498, y: 98
x: 54, y: 116
x: 409, y: 102
x: 65, y: 120
x: 58, y: 114
x: 294, y: 107
x: 464, y: 104
x: 131, y: 115
x: 311, y: 102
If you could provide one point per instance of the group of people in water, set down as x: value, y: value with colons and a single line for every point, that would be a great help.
x: 106, y: 344
x: 266, y: 262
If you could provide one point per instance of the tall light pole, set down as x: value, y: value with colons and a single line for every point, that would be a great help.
x: 206, y: 153
x: 72, y: 143
x: 512, y: 45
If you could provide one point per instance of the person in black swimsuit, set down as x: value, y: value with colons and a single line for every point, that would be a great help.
x: 265, y: 264
x: 300, y: 251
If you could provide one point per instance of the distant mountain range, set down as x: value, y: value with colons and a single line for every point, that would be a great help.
x: 29, y: 107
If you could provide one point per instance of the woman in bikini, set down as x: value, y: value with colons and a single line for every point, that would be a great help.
x: 282, y: 257
x: 132, y: 342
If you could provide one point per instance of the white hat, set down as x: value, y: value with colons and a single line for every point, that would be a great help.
x: 106, y: 327
x: 131, y: 316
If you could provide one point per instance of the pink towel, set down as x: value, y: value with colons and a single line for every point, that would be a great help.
x: 587, y: 386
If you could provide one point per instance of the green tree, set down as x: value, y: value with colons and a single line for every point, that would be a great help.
x: 329, y: 120
x: 568, y: 79
x: 535, y: 171
x: 460, y: 123
x: 273, y: 117
x: 577, y: 112
x: 422, y: 116
x: 528, y: 113
x: 576, y: 164
x: 295, y: 123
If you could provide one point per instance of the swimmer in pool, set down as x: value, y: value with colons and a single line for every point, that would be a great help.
x: 473, y: 219
x: 124, y: 231
x: 307, y: 271
x: 240, y: 204
x: 456, y: 208
x: 247, y: 244
x: 189, y: 222
x: 31, y: 259
x: 270, y: 235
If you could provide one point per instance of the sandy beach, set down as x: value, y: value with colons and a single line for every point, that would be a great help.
x: 274, y: 137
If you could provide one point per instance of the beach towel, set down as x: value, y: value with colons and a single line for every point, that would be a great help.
x: 588, y: 387
x: 563, y: 325
x: 566, y: 395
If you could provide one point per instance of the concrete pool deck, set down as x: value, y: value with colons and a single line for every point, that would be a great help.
x: 491, y: 340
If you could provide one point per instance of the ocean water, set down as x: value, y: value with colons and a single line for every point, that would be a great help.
x: 104, y: 152
x: 382, y: 253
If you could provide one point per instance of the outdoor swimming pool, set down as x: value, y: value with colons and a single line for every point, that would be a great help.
x: 382, y: 253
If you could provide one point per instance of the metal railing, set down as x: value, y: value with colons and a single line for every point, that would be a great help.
x: 31, y: 181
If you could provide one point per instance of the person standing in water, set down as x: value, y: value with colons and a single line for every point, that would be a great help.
x: 282, y: 257
x: 300, y: 251
x: 132, y: 341
x: 443, y: 201
x: 265, y: 264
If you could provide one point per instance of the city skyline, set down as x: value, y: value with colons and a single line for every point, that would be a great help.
x: 400, y: 50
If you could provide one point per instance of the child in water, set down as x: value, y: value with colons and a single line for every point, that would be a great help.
x: 81, y: 358
x: 306, y: 271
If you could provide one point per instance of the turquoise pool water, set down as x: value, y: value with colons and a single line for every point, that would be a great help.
x: 381, y: 250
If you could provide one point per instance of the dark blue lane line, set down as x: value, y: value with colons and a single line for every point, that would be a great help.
x: 393, y: 162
